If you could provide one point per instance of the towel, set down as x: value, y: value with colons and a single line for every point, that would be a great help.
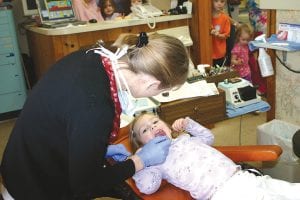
x: 261, y: 106
x: 274, y: 43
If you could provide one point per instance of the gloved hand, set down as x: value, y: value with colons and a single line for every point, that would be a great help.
x: 155, y: 151
x: 118, y: 152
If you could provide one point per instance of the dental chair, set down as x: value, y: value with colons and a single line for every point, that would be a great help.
x: 253, y: 153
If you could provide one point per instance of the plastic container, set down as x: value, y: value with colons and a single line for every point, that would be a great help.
x: 278, y: 132
x: 265, y: 63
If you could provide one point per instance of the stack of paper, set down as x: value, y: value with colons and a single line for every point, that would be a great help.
x: 188, y: 90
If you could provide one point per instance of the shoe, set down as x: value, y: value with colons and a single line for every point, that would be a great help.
x: 124, y: 191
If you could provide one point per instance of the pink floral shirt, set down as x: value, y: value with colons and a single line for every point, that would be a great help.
x: 241, y: 52
x: 192, y: 164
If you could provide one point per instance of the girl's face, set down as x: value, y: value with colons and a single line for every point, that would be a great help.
x: 150, y: 126
x: 244, y: 38
x: 108, y: 8
x: 218, y: 5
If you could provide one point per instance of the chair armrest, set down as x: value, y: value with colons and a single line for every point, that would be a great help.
x: 251, y: 152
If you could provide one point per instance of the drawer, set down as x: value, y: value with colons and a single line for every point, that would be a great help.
x: 3, y: 17
x: 205, y: 110
x: 6, y: 45
x: 7, y: 58
x: 12, y: 101
x: 6, y: 40
x: 10, y: 80
x: 4, y: 30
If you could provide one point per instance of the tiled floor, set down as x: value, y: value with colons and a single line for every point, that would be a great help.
x: 236, y: 131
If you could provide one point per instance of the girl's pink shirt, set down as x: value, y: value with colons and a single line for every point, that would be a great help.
x: 242, y: 52
x: 86, y: 11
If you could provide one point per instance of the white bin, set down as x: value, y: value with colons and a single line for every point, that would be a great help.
x: 287, y: 167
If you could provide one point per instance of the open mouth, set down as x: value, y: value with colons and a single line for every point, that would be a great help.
x: 160, y: 132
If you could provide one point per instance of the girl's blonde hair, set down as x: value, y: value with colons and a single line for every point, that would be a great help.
x: 243, y: 28
x: 164, y: 57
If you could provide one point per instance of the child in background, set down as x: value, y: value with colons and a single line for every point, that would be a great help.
x: 240, y: 51
x: 193, y: 165
x: 220, y: 32
x: 86, y: 10
x: 258, y: 20
x: 108, y: 10
x: 136, y: 2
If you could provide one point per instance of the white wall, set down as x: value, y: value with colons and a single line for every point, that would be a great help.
x: 288, y: 83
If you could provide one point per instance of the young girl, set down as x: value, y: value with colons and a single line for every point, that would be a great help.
x: 240, y: 51
x: 108, y: 10
x: 220, y: 32
x: 193, y: 165
x: 86, y: 10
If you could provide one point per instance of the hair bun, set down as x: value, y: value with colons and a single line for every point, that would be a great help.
x: 142, y: 40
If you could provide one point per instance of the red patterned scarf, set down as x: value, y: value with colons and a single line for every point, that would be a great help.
x: 114, y: 96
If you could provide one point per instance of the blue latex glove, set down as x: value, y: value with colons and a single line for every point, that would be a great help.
x: 118, y: 152
x: 155, y: 151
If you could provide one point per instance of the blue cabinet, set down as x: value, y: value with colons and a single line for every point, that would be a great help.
x: 12, y: 84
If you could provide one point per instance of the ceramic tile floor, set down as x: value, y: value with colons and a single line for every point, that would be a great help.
x: 236, y: 131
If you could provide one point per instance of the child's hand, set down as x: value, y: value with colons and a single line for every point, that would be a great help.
x: 213, y: 32
x: 180, y: 124
x: 240, y: 61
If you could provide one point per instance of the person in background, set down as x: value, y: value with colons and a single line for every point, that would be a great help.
x: 193, y: 165
x: 108, y: 10
x: 220, y: 32
x: 60, y: 141
x: 240, y: 51
x: 136, y: 2
x: 258, y: 21
x: 86, y: 10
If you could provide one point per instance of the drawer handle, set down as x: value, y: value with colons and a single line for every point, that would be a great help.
x: 196, y: 109
x: 71, y: 45
x: 10, y: 55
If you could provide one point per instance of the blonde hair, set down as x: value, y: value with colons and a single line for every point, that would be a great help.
x: 134, y: 141
x: 243, y: 28
x: 164, y: 57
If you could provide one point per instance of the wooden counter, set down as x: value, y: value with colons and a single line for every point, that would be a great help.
x: 49, y: 45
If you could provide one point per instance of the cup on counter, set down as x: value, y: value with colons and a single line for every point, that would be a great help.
x: 202, y: 68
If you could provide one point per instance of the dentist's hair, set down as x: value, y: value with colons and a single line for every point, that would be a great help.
x: 163, y: 57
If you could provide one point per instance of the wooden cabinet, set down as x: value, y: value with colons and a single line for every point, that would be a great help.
x: 205, y: 110
x: 47, y: 47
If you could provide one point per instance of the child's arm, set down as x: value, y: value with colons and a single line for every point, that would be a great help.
x: 195, y: 129
x: 148, y: 180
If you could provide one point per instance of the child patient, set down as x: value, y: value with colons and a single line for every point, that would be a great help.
x: 193, y: 165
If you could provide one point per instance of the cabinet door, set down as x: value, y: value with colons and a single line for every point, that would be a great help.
x: 70, y: 44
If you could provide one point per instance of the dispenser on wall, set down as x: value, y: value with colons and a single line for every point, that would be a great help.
x: 264, y: 60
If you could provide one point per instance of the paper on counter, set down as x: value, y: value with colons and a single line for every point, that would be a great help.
x: 189, y: 90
